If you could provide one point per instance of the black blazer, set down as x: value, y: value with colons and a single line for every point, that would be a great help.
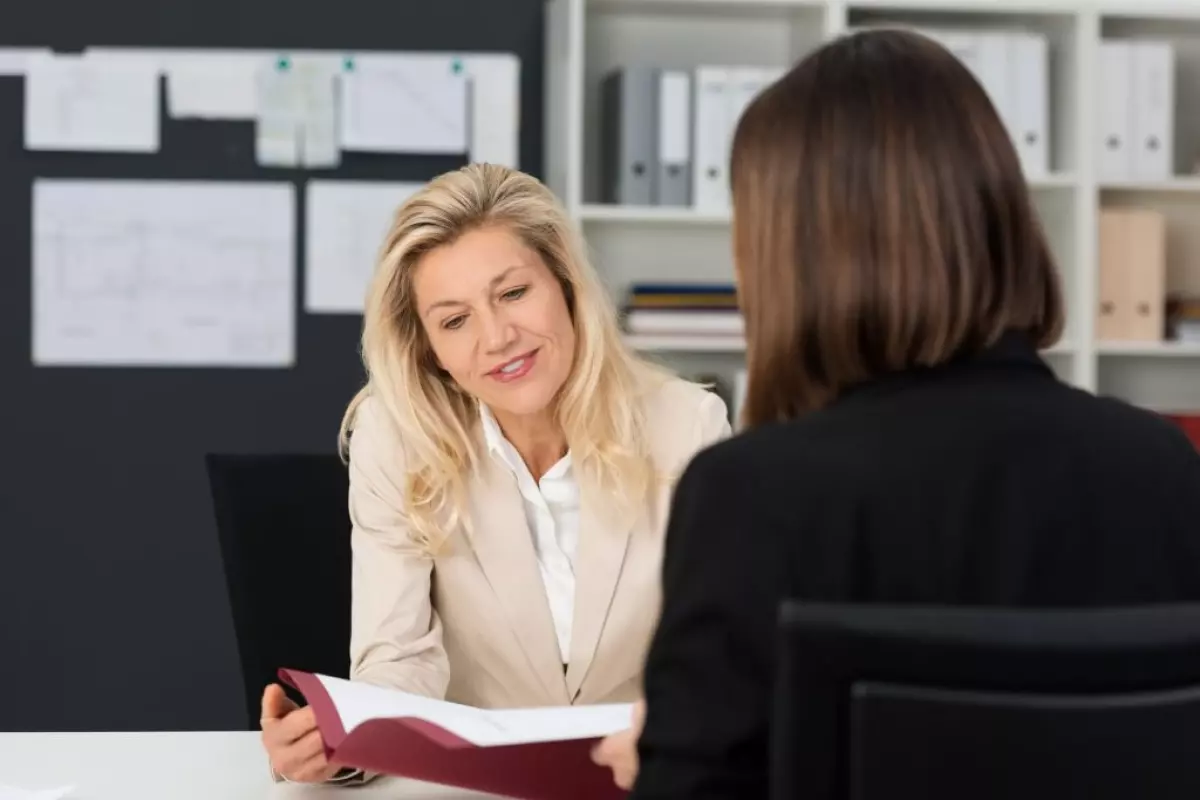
x: 985, y: 482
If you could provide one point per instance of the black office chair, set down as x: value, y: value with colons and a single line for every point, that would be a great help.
x: 284, y: 530
x: 878, y: 702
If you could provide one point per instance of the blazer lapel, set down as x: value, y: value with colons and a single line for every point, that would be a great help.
x: 504, y: 546
x: 602, y: 548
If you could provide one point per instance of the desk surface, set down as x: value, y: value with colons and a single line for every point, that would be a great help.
x: 180, y: 766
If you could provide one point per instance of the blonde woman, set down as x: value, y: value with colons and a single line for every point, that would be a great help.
x: 511, y: 466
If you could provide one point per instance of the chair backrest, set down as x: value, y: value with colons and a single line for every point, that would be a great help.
x: 878, y: 702
x: 284, y: 531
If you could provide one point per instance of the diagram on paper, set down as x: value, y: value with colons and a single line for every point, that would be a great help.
x: 345, y: 225
x: 161, y: 273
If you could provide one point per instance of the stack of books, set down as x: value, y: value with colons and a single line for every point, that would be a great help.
x: 703, y: 310
x: 1183, y: 319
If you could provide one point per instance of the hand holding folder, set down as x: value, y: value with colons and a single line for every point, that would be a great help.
x: 536, y: 753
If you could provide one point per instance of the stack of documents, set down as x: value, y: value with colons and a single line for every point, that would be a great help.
x: 1183, y: 314
x: 667, y: 133
x: 525, y: 753
x: 688, y: 309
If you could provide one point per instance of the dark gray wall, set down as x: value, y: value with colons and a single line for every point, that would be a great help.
x: 112, y: 605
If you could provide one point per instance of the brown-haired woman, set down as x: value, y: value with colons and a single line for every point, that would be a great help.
x: 906, y: 443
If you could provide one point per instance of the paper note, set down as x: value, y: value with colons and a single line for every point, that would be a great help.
x: 403, y: 104
x: 280, y: 109
x: 358, y: 702
x: 296, y: 114
x: 162, y: 273
x: 79, y: 103
x: 213, y: 86
x: 14, y: 60
x: 495, y: 111
x: 345, y: 224
x: 13, y: 793
x: 319, y: 146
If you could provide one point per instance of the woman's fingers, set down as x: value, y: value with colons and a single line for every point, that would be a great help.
x: 292, y: 728
x: 300, y: 757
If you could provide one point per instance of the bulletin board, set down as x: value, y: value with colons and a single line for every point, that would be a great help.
x: 106, y: 529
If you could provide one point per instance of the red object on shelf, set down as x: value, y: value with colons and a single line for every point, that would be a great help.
x: 1190, y: 424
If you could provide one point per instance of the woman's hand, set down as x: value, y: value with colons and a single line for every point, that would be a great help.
x: 292, y: 740
x: 619, y: 751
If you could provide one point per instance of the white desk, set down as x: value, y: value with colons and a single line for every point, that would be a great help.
x: 178, y: 766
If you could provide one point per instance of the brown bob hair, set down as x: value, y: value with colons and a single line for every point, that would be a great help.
x: 881, y: 223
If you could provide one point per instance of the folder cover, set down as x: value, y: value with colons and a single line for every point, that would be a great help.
x: 535, y: 754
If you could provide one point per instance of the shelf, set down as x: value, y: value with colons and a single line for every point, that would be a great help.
x: 1166, y: 10
x: 680, y: 215
x: 652, y: 214
x: 719, y: 343
x: 702, y: 6
x: 686, y: 343
x: 1060, y: 180
x: 1150, y: 349
x: 1030, y: 7
x: 1178, y: 185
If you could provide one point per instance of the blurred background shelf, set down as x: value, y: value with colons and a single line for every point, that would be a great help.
x: 1075, y: 94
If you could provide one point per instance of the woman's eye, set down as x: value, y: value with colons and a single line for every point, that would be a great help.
x: 515, y: 294
x: 454, y: 323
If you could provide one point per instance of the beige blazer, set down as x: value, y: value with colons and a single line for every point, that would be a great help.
x: 474, y: 625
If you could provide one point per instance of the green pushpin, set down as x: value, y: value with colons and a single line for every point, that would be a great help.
x: 283, y: 63
x: 348, y: 64
x: 456, y: 66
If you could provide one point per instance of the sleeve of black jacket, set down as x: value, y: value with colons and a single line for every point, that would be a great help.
x: 710, y: 666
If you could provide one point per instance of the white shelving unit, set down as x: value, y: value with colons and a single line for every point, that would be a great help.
x: 585, y: 39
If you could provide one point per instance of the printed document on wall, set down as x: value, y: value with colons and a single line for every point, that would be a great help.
x: 77, y: 103
x: 216, y: 85
x: 163, y: 273
x: 14, y: 63
x: 345, y: 224
x: 403, y: 104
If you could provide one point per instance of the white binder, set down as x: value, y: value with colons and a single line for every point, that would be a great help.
x: 1115, y: 111
x: 673, y: 182
x: 994, y: 72
x: 1153, y: 110
x: 710, y: 155
x: 1028, y: 66
x: 963, y: 45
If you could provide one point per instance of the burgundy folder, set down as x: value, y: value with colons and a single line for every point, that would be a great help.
x: 421, y: 750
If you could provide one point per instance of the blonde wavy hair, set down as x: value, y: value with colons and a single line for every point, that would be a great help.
x: 599, y: 406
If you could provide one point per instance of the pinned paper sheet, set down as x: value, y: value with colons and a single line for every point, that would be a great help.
x: 495, y: 117
x: 14, y: 60
x: 403, y: 104
x: 213, y: 85
x: 81, y: 103
x: 345, y: 224
x: 12, y: 793
x: 163, y: 273
x: 296, y: 114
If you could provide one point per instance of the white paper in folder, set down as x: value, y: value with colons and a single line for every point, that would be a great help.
x: 78, y: 102
x: 345, y: 224
x: 163, y: 273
